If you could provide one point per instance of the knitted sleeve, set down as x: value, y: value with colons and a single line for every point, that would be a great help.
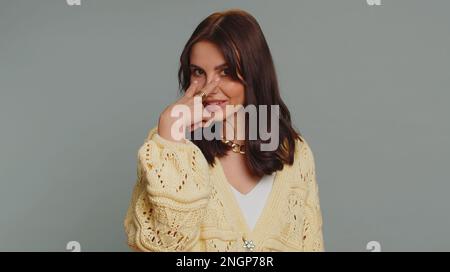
x: 312, y: 227
x: 169, y: 198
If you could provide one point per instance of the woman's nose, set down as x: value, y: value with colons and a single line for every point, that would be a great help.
x: 211, y: 77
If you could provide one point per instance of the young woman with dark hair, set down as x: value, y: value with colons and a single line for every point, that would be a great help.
x: 227, y: 193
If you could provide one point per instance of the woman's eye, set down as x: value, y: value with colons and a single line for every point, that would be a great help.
x: 197, y: 72
x: 225, y: 72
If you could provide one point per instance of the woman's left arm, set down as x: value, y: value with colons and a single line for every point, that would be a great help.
x: 312, y: 227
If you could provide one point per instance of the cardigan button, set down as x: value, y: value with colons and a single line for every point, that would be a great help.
x: 248, y: 244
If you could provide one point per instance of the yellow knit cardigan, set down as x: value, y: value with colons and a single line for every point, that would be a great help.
x: 180, y: 203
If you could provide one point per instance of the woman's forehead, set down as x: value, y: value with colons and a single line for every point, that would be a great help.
x: 206, y: 55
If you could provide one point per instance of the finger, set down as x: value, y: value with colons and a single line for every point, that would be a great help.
x: 207, y: 123
x: 207, y: 89
x: 211, y: 85
x: 192, y: 89
x: 194, y: 126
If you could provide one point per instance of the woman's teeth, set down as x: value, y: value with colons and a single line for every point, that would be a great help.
x: 215, y: 103
x: 214, y: 106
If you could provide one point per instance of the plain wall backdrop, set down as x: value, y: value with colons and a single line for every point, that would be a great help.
x: 80, y: 87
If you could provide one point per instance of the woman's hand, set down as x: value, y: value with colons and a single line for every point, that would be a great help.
x: 172, y: 126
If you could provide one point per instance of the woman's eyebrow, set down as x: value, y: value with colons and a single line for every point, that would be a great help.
x: 218, y: 67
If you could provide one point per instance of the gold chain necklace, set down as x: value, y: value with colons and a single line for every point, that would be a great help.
x: 236, y: 148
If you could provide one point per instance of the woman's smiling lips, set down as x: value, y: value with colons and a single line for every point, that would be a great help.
x: 215, y: 105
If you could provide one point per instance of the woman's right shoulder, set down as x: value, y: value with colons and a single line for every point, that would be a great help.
x: 151, y: 132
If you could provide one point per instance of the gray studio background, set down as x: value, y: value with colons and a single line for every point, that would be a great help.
x: 80, y: 86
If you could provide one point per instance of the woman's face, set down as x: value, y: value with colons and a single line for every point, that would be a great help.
x: 207, y: 61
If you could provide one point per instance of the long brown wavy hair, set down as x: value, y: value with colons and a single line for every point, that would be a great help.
x: 241, y: 40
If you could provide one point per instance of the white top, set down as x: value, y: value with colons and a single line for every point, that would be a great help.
x: 253, y: 202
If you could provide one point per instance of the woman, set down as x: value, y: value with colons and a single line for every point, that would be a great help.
x: 228, y: 193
